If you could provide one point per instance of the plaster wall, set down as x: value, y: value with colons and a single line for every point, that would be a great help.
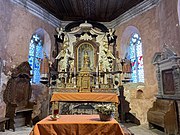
x: 16, y: 28
x: 157, y: 26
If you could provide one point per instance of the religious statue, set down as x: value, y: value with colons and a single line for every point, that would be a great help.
x: 126, y: 66
x: 106, y: 58
x: 111, y: 37
x: 86, y: 60
x: 64, y: 58
x: 44, y: 68
x: 60, y: 34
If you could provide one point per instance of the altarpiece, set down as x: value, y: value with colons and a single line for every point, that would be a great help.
x: 85, y: 61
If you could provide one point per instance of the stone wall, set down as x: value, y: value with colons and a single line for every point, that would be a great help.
x: 40, y: 96
x: 140, y: 103
x: 4, y: 80
x: 157, y: 26
x: 17, y: 26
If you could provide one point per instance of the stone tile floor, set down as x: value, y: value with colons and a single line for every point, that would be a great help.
x: 142, y: 129
x: 136, y: 129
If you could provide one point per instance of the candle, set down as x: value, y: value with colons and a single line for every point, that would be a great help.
x: 56, y: 109
x: 97, y: 71
x: 74, y: 72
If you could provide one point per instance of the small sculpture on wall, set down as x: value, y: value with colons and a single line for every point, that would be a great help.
x: 44, y: 68
x: 126, y: 65
x: 111, y: 36
x: 60, y: 34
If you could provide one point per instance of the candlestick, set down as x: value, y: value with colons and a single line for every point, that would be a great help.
x: 97, y: 71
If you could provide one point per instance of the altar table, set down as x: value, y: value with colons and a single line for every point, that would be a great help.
x: 77, y: 125
x: 94, y: 97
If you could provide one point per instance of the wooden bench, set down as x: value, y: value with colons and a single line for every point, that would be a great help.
x: 23, y: 117
x: 4, y: 121
x: 163, y: 114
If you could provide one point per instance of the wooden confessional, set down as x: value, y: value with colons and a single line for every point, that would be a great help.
x: 17, y: 95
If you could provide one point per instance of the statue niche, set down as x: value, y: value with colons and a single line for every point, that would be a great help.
x: 86, y: 59
x: 84, y: 77
x: 85, y: 54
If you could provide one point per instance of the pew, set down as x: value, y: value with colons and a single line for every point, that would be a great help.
x: 163, y: 114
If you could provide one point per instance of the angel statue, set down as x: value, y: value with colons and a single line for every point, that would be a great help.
x: 111, y: 36
x: 60, y: 34
x: 64, y: 58
x: 106, y: 59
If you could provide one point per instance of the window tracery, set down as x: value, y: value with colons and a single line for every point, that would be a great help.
x: 35, y: 57
x: 136, y: 57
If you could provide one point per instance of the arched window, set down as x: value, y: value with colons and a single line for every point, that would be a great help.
x: 35, y: 57
x: 136, y: 57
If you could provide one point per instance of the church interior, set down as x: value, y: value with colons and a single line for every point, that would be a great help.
x: 61, y: 59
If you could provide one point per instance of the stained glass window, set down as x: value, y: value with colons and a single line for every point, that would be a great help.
x: 35, y: 57
x: 136, y: 57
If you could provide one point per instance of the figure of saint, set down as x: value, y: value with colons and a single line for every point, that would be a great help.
x: 126, y: 66
x: 64, y: 58
x: 44, y: 67
x: 86, y: 60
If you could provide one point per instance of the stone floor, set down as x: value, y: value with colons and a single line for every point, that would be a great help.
x: 137, y: 130
x: 142, y: 129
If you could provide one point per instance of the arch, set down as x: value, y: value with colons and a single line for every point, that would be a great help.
x: 126, y: 39
x: 131, y: 52
x: 39, y: 53
x: 44, y: 36
x: 89, y: 49
x: 95, y: 47
x: 139, y: 94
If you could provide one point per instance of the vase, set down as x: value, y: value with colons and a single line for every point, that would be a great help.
x: 104, y: 117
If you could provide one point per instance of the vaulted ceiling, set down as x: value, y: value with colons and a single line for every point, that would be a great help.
x: 94, y: 10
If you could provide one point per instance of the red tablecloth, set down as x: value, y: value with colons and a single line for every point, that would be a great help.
x: 95, y: 97
x: 77, y: 125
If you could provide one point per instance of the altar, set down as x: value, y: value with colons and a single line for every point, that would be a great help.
x: 85, y: 97
x: 86, y: 70
x: 85, y: 59
x: 77, y: 125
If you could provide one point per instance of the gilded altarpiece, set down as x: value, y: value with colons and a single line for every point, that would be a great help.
x: 86, y: 64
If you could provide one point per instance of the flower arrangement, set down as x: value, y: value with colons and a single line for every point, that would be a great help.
x: 106, y: 109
